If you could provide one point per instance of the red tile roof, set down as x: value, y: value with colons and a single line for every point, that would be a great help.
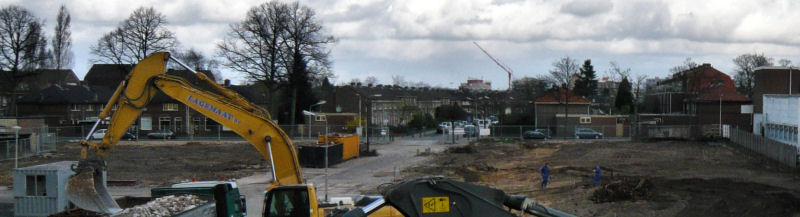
x: 709, y: 84
x: 704, y: 77
x: 552, y: 97
x: 727, y: 94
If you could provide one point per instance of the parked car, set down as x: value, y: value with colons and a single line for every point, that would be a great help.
x: 161, y: 134
x: 470, y: 131
x: 537, y: 134
x: 444, y: 127
x: 586, y: 133
x: 98, y: 134
x: 129, y: 136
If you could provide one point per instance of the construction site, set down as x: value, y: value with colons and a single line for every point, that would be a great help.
x: 660, y: 178
x: 156, y: 130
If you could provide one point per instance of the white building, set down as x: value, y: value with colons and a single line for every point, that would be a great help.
x: 780, y: 118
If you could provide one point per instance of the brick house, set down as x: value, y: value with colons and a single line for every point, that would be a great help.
x: 554, y: 103
x: 32, y: 82
x: 388, y: 105
x: 704, y: 94
x: 79, y: 105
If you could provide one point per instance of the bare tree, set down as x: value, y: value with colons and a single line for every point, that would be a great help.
x: 253, y: 47
x: 22, y: 50
x: 304, y: 38
x: 371, y: 80
x: 616, y: 73
x: 687, y: 64
x: 785, y: 62
x: 398, y: 80
x: 143, y: 33
x: 746, y: 66
x: 306, y: 45
x: 62, y: 40
x: 197, y: 61
x: 638, y: 91
x: 562, y: 78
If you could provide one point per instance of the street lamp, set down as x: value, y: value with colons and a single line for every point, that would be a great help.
x: 311, y: 108
x: 369, y: 119
x: 720, y: 115
x: 321, y: 102
x: 16, y: 150
x: 312, y: 114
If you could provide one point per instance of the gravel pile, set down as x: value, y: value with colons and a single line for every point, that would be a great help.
x: 163, y: 206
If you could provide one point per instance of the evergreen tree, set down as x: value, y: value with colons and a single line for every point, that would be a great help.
x: 298, y: 93
x: 624, y: 98
x: 586, y: 85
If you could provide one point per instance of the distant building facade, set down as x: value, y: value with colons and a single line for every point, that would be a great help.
x: 31, y: 82
x: 476, y: 85
x: 705, y: 94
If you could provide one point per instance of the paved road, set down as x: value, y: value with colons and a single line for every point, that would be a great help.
x: 354, y: 176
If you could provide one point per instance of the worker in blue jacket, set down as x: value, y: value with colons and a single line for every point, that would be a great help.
x: 596, y: 179
x: 545, y: 171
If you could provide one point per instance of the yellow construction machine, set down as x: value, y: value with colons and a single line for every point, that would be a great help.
x: 287, y: 195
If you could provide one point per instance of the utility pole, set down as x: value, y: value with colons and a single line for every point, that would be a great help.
x: 189, y: 129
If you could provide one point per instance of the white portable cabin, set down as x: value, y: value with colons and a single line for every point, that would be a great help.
x: 41, y: 190
x: 780, y: 118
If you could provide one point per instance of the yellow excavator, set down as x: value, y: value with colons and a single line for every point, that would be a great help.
x: 287, y: 195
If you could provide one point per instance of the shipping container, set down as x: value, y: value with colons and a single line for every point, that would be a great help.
x: 313, y: 155
x: 350, y: 144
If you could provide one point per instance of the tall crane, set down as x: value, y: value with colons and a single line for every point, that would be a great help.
x: 501, y: 65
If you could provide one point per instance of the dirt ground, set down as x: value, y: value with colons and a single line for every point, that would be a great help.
x: 677, y: 178
x: 160, y: 163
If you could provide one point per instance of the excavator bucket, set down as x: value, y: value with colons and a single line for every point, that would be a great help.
x: 87, y: 190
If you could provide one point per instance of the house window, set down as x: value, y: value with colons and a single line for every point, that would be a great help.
x: 35, y: 185
x: 586, y: 120
x: 164, y: 122
x: 114, y: 107
x: 89, y: 108
x: 320, y: 118
x: 170, y: 106
x: 146, y: 123
x: 178, y: 123
x: 196, y: 123
x: 75, y: 107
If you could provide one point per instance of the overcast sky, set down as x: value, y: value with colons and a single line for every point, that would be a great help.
x: 431, y: 41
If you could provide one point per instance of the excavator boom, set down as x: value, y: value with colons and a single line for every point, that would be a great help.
x: 87, y: 190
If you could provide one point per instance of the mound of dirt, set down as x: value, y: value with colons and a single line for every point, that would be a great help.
x: 631, y: 188
x: 725, y: 197
x: 468, y: 149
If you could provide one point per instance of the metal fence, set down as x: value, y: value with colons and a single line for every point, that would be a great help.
x: 784, y: 153
x: 569, y: 132
x: 27, y: 147
x: 30, y: 142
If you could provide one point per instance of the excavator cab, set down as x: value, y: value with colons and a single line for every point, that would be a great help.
x: 287, y: 201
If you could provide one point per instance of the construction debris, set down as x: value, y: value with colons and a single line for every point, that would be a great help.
x: 163, y: 206
x: 77, y: 212
x: 625, y: 189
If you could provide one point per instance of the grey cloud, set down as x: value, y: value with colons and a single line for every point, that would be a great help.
x: 587, y: 8
x: 359, y: 12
